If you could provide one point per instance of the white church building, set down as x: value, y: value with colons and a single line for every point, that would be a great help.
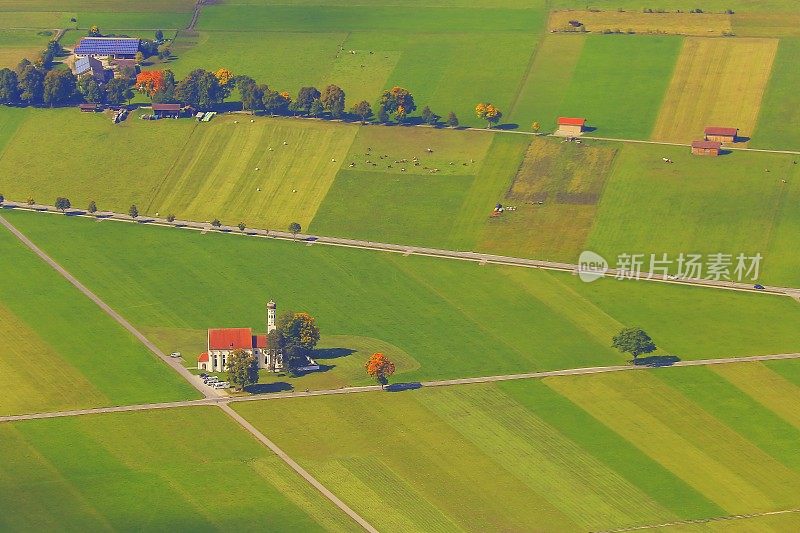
x: 223, y: 341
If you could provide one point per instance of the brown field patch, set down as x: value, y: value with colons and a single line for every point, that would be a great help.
x: 699, y: 24
x: 568, y: 179
x: 766, y: 24
x: 717, y: 82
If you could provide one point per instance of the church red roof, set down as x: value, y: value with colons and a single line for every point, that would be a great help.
x: 230, y: 339
x: 203, y: 358
x: 259, y: 341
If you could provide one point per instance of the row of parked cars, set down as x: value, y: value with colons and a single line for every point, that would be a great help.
x: 214, y: 382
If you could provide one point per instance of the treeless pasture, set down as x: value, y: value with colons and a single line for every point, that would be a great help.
x: 702, y: 24
x: 717, y: 82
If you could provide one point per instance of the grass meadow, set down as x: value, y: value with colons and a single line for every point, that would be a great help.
x: 18, y: 44
x: 62, y: 352
x: 446, y: 319
x: 781, y: 104
x: 715, y: 86
x: 565, y: 453
x: 176, y: 469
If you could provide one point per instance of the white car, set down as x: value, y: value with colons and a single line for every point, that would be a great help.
x: 175, y: 355
x: 211, y: 380
x: 220, y: 385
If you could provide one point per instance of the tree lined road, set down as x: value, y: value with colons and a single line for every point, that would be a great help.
x: 480, y: 258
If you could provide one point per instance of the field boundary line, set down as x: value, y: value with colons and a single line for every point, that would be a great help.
x: 580, y: 371
x: 702, y: 520
x: 477, y: 257
x: 297, y: 468
x: 177, y: 366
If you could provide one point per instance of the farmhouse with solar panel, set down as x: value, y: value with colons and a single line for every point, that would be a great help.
x: 107, y: 47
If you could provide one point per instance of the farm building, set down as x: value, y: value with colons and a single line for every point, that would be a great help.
x: 223, y: 341
x: 107, y: 47
x: 723, y: 135
x: 91, y: 66
x: 711, y: 148
x: 121, y: 65
x: 90, y: 108
x: 570, y: 126
x: 167, y: 110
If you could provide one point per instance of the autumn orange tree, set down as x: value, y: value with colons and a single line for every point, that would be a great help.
x: 226, y: 80
x: 150, y: 82
x: 488, y: 112
x: 380, y: 367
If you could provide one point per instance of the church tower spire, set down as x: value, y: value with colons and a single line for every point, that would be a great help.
x: 271, y: 308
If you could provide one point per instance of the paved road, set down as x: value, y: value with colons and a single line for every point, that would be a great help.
x: 480, y: 258
x: 375, y: 388
x: 297, y: 468
x: 174, y: 363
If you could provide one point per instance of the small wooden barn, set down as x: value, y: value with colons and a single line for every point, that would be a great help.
x: 570, y: 126
x: 719, y: 134
x: 711, y: 148
x: 89, y: 108
x: 167, y: 110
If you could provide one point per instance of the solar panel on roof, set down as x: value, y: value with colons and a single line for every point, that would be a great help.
x: 103, y: 46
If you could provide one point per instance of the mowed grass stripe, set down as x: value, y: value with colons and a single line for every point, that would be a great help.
x: 546, y: 82
x: 557, y: 469
x: 739, y: 403
x: 697, y: 447
x: 780, y: 110
x: 607, y: 446
x: 715, y: 83
x: 178, y: 468
x: 620, y: 72
x: 65, y: 348
x: 437, y: 478
x: 216, y: 176
x: 767, y: 388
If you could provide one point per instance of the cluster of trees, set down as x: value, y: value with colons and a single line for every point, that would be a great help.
x: 295, y: 336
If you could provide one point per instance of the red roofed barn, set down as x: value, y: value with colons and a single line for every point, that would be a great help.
x: 711, y: 148
x: 570, y: 126
x: 723, y: 135
x: 223, y: 341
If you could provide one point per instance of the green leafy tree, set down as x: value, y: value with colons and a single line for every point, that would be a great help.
x: 316, y: 109
x: 94, y: 31
x: 62, y: 204
x: 274, y: 102
x: 60, y: 87
x: 383, y: 114
x: 170, y: 218
x: 299, y: 335
x: 92, y: 208
x: 139, y: 58
x: 159, y: 36
x: 242, y: 369
x: 133, y: 211
x: 535, y: 127
x: 241, y: 226
x: 251, y: 95
x: 452, y: 120
x: 31, y: 85
x: 634, y: 341
x: 9, y: 87
x: 429, y: 117
x: 333, y: 99
x: 295, y: 228
x: 201, y: 89
x: 2, y: 199
x: 362, y: 110
x: 31, y: 201
x: 305, y: 99
x: 216, y: 223
x: 118, y: 91
x: 89, y: 89
x: 55, y: 48
x: 399, y: 102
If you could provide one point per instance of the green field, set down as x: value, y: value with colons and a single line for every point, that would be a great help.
x: 564, y: 453
x: 444, y: 319
x: 781, y: 104
x: 18, y: 44
x: 177, y: 469
x: 62, y: 352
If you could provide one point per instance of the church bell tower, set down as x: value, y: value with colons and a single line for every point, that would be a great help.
x: 271, y: 316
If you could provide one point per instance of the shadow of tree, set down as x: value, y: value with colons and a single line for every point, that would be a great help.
x: 657, y: 360
x: 266, y: 388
